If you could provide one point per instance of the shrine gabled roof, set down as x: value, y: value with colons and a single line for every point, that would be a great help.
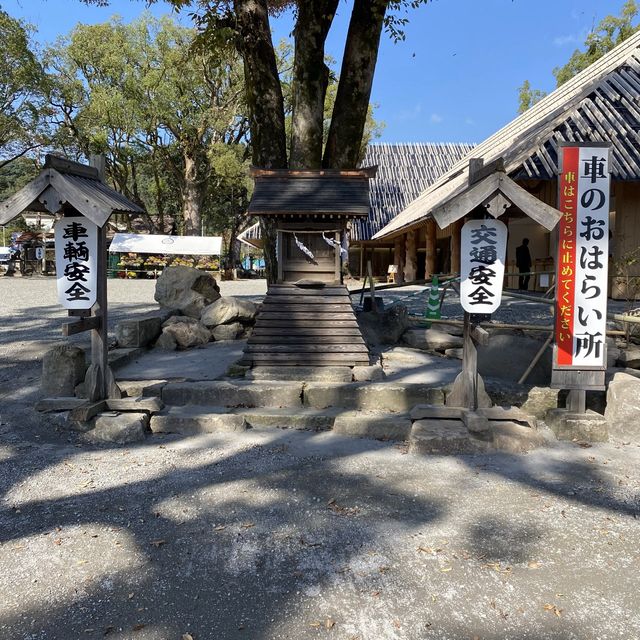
x: 64, y: 182
x: 600, y: 104
x: 287, y: 193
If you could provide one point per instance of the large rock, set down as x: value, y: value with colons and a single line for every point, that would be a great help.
x: 186, y: 289
x: 226, y: 331
x: 229, y: 309
x: 63, y: 367
x: 431, y: 340
x: 384, y: 327
x: 186, y: 331
x: 629, y: 357
x: 623, y: 407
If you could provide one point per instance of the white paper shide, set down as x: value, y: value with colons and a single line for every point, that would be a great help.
x: 483, y: 247
x: 76, y: 241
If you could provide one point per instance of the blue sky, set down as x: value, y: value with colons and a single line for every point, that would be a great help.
x: 455, y: 77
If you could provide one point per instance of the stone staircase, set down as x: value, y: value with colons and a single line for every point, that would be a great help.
x: 380, y: 410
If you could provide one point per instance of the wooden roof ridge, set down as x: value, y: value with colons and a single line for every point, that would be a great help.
x: 63, y: 181
x: 530, y: 141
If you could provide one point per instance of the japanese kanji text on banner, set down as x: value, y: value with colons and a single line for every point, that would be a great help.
x: 76, y: 262
x: 583, y: 254
x: 483, y: 246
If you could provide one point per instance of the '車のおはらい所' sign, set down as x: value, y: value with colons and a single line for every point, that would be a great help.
x: 583, y: 254
x: 483, y: 245
x: 76, y: 241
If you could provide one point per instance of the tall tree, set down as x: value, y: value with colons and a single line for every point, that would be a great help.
x: 153, y: 102
x: 246, y: 23
x: 609, y: 33
x: 21, y: 92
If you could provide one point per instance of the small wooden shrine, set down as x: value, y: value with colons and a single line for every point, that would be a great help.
x: 307, y: 318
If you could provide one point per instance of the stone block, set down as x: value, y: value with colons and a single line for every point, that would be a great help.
x: 63, y: 367
x: 475, y: 422
x: 623, y: 407
x: 144, y: 388
x: 380, y: 427
x: 454, y: 353
x: 238, y: 394
x: 510, y: 437
x: 226, y: 331
x: 140, y: 332
x: 136, y: 405
x: 121, y: 357
x: 119, y: 428
x: 444, y: 437
x: 237, y: 371
x: 589, y: 426
x: 431, y: 339
x: 384, y: 397
x: 58, y: 405
x: 196, y: 420
x: 166, y: 341
x: 385, y: 327
x: 302, y: 419
x: 372, y: 373
x: 429, y: 411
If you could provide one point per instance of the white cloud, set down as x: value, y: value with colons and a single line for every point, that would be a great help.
x: 571, y: 38
x: 410, y: 113
x: 436, y: 118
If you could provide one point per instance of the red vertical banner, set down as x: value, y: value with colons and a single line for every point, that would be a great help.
x: 566, y: 267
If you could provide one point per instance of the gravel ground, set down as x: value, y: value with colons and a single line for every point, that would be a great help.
x: 271, y: 535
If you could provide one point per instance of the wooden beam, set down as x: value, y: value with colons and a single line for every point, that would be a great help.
x: 68, y: 166
x: 411, y: 256
x: 539, y: 211
x: 456, y: 232
x: 84, y: 324
x: 398, y: 258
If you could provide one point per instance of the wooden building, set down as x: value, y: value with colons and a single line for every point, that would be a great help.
x: 601, y: 104
x: 307, y: 318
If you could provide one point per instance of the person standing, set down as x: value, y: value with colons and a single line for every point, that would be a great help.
x: 523, y: 262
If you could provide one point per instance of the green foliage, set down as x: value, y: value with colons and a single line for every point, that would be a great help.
x: 21, y: 91
x: 527, y: 96
x: 609, y: 33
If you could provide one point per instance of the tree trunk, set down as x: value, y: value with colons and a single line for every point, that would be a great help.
x: 191, y: 198
x: 265, y: 104
x: 310, y: 80
x: 354, y: 90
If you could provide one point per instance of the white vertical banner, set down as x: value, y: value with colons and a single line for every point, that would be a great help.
x: 76, y: 242
x: 483, y: 248
x: 591, y: 258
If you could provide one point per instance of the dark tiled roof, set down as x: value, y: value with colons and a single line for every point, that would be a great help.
x: 404, y: 171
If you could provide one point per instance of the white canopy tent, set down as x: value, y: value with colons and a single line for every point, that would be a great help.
x: 174, y: 245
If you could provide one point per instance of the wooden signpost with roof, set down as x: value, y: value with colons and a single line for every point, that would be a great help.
x: 489, y: 194
x: 83, y: 203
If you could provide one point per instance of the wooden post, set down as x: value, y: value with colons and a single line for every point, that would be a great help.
x: 100, y: 382
x: 456, y: 230
x: 411, y: 257
x: 577, y: 401
x: 430, y: 256
x: 398, y: 258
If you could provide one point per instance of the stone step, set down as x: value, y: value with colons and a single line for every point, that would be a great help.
x: 234, y: 394
x: 326, y: 374
x: 194, y: 420
x: 285, y: 418
x: 386, y: 397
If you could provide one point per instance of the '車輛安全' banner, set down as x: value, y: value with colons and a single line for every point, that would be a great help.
x: 583, y: 254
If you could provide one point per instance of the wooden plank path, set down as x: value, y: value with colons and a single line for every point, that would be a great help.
x: 306, y: 327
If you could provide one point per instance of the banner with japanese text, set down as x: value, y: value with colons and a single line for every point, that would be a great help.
x: 76, y: 242
x: 583, y: 254
x: 483, y: 245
